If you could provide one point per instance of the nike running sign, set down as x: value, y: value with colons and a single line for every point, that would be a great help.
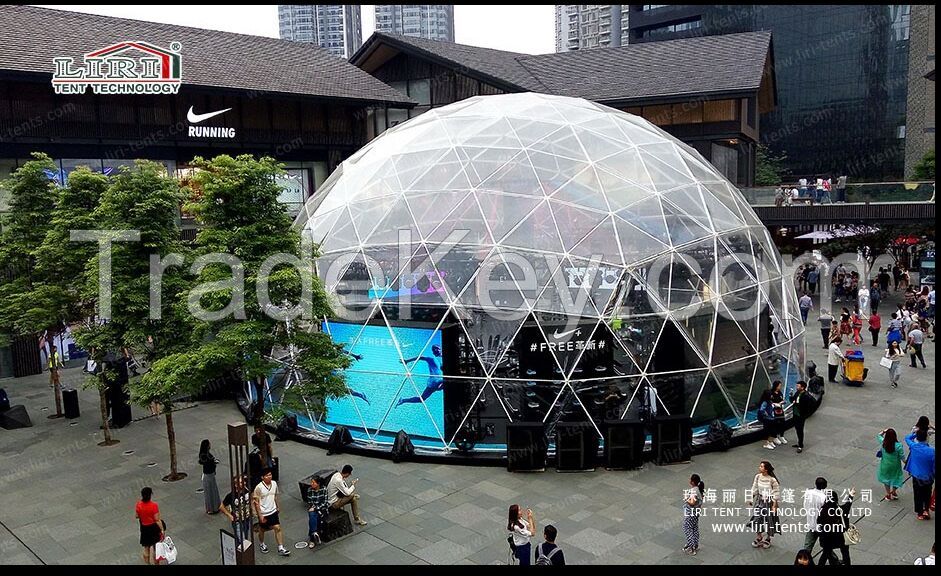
x: 195, y: 118
x: 208, y: 131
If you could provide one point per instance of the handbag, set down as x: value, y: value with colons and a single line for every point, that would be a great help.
x: 885, y: 362
x: 851, y: 534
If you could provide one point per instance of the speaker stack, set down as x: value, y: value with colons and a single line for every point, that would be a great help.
x: 672, y: 439
x: 576, y: 446
x: 624, y: 444
x: 526, y: 447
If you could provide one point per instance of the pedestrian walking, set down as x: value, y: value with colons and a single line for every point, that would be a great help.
x: 210, y: 488
x: 813, y: 501
x: 845, y: 327
x: 692, y: 506
x: 891, y: 454
x: 806, y: 305
x: 549, y: 553
x: 803, y: 407
x: 894, y: 354
x: 894, y: 332
x: 804, y: 558
x: 875, y: 325
x: 875, y: 297
x: 151, y: 524
x: 916, y: 338
x: 834, y: 358
x: 856, y: 320
x: 237, y: 507
x: 826, y: 321
x: 921, y: 466
x: 766, y: 493
x: 812, y: 278
x: 266, y: 499
x: 832, y: 524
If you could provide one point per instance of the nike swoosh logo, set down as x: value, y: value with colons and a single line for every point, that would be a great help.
x: 558, y: 334
x: 197, y: 118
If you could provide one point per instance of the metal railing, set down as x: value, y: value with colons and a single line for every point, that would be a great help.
x: 855, y: 193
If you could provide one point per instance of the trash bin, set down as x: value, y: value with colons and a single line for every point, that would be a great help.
x: 70, y: 400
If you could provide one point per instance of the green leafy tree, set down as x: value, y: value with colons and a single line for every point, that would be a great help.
x: 146, y: 200
x: 924, y: 170
x: 769, y: 168
x: 23, y: 291
x: 236, y: 204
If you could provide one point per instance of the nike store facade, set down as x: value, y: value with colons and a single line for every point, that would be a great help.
x: 102, y: 92
x: 235, y: 94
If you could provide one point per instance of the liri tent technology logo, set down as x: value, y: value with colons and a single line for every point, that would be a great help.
x: 122, y: 68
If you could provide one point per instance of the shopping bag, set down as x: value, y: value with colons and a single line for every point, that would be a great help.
x: 165, y: 550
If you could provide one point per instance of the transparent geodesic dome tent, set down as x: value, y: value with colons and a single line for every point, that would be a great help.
x: 534, y: 258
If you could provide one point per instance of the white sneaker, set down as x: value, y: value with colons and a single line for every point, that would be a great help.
x: 783, y: 439
x: 283, y: 551
x: 777, y: 441
x: 769, y: 446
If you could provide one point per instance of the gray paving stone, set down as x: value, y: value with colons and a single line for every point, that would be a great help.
x: 437, y: 513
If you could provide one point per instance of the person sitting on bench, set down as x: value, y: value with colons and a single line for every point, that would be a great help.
x: 340, y: 493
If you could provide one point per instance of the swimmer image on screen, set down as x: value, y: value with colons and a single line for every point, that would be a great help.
x: 434, y: 378
x: 354, y: 392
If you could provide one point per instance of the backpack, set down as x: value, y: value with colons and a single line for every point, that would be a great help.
x: 766, y: 412
x: 543, y: 559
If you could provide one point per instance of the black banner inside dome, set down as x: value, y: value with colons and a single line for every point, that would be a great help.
x: 586, y: 347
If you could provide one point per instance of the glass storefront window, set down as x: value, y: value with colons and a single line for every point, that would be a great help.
x: 293, y: 189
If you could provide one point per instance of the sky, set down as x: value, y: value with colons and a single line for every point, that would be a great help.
x: 517, y: 28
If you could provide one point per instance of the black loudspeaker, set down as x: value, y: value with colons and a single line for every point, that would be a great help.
x: 624, y: 444
x: 402, y: 448
x: 338, y: 439
x: 286, y: 427
x: 4, y: 400
x: 15, y: 417
x: 672, y: 439
x: 576, y: 446
x: 70, y: 400
x: 120, y: 411
x: 526, y: 447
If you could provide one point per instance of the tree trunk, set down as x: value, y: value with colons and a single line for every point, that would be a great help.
x: 103, y: 405
x: 173, y: 476
x: 57, y: 390
x: 259, y: 414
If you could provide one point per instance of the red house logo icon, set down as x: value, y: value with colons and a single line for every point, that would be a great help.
x: 122, y: 68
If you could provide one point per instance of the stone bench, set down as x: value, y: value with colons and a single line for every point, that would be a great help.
x: 336, y: 525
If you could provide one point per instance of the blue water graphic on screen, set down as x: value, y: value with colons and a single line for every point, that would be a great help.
x: 381, y: 395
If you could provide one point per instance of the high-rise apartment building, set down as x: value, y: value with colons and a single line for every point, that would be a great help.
x: 336, y: 27
x: 431, y: 21
x: 581, y: 26
x: 842, y: 74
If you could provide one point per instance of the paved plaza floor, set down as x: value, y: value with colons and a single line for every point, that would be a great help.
x: 65, y: 500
